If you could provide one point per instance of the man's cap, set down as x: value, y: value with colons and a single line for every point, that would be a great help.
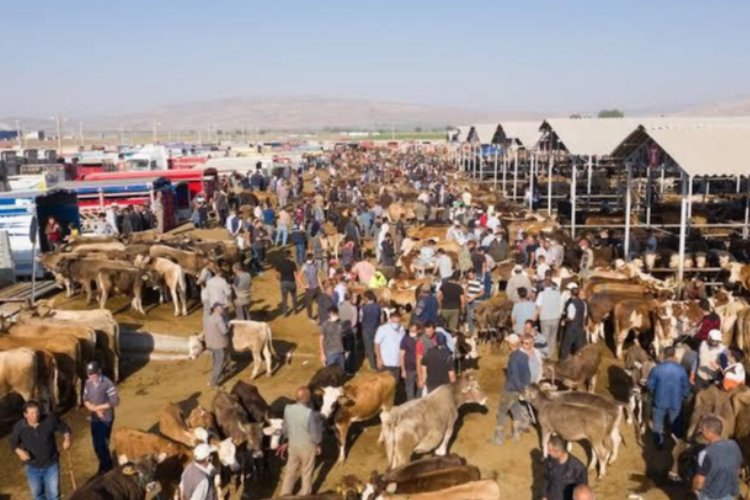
x: 203, y: 451
x: 518, y: 268
x: 216, y: 304
x: 714, y: 335
x: 572, y: 286
x: 513, y: 339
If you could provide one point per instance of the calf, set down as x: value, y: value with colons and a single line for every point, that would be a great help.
x: 638, y: 366
x: 424, y: 424
x: 258, y: 410
x: 631, y: 314
x: 18, y: 373
x: 125, y: 281
x: 172, y: 425
x: 360, y: 399
x: 577, y: 370
x: 574, y: 422
x: 675, y: 319
x: 600, y: 306
x: 172, y: 275
x: 738, y: 273
x: 234, y: 425
x: 128, y: 482
x: 434, y: 480
x: 131, y: 444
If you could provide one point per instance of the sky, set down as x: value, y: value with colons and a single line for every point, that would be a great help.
x: 84, y: 57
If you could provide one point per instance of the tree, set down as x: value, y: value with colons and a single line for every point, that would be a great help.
x: 576, y: 116
x: 611, y: 113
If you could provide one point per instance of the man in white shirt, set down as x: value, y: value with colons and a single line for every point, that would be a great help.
x: 443, y: 264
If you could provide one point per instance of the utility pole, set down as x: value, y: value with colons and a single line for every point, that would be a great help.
x: 80, y: 132
x: 18, y: 134
x: 59, y: 134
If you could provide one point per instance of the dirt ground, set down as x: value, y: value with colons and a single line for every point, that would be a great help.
x: 149, y: 386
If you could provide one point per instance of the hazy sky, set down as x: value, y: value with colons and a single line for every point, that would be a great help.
x: 89, y: 57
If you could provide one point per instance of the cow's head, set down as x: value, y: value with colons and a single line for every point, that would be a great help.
x: 650, y: 259
x: 274, y: 431
x: 142, y: 471
x: 196, y: 345
x: 700, y: 259
x: 227, y: 453
x: 470, y: 389
x: 735, y: 271
x: 332, y: 396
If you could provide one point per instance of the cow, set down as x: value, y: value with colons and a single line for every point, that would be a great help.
x: 575, y: 422
x: 191, y: 262
x: 84, y: 271
x: 600, y: 306
x: 425, y: 424
x: 638, y: 366
x: 674, y: 319
x: 104, y: 324
x: 128, y: 482
x: 492, y: 318
x: 253, y: 336
x: 631, y: 314
x: 41, y: 328
x: 172, y: 276
x: 360, y: 399
x: 434, y: 480
x: 201, y: 417
x: 728, y: 308
x: 420, y: 467
x: 743, y: 330
x: 738, y: 273
x: 18, y: 373
x: 172, y: 425
x: 251, y: 400
x: 125, y: 281
x: 578, y: 370
x: 485, y: 489
x: 131, y: 444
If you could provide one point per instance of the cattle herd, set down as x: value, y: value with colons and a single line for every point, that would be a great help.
x: 417, y: 196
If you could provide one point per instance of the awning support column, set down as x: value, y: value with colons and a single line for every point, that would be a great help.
x: 515, y: 174
x: 549, y: 183
x: 649, y: 197
x: 746, y: 229
x: 495, y: 183
x: 628, y: 202
x: 686, y: 181
x: 505, y: 172
x: 573, y: 184
x: 531, y: 183
x: 663, y: 180
x: 690, y: 200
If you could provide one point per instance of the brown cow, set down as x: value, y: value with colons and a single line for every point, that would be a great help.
x: 673, y: 319
x: 600, y: 306
x: 434, y: 480
x: 132, y: 481
x: 132, y: 444
x: 739, y: 273
x: 631, y: 315
x: 191, y: 262
x: 130, y: 281
x: 172, y: 425
x: 360, y: 399
x: 18, y: 373
x: 577, y: 370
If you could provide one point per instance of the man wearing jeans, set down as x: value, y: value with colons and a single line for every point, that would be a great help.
x: 216, y: 335
x: 388, y: 346
x: 287, y: 273
x: 517, y: 379
x: 331, y: 339
x: 100, y: 398
x: 669, y: 387
x: 549, y: 309
x: 370, y: 321
x: 33, y: 440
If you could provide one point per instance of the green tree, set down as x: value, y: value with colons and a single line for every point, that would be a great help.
x: 576, y: 116
x: 611, y: 113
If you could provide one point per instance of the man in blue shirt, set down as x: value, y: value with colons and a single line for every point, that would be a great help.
x: 517, y: 379
x: 426, y: 309
x: 669, y: 386
x: 370, y: 321
x: 388, y: 345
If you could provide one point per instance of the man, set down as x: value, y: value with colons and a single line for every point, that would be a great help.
x: 311, y: 280
x: 102, y: 227
x: 234, y: 224
x: 331, y: 339
x: 364, y: 270
x: 517, y: 379
x: 303, y: 428
x: 707, y: 368
x: 562, y: 471
x: 426, y: 309
x: 474, y: 292
x: 669, y: 387
x: 370, y: 321
x: 523, y: 310
x: 197, y: 481
x: 282, y: 227
x: 33, y: 440
x: 348, y: 315
x: 325, y: 302
x: 535, y: 357
x: 718, y: 464
x: 241, y: 286
x: 518, y: 279
x: 443, y: 265
x: 387, y: 252
x: 548, y: 307
x: 574, y: 336
x: 583, y: 492
x: 298, y: 238
x: 409, y: 361
x: 216, y: 335
x: 587, y: 258
x: 286, y: 270
x: 452, y: 301
x: 388, y: 345
x: 217, y: 288
x: 438, y: 366
x: 100, y: 398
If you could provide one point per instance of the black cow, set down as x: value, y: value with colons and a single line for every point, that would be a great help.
x: 128, y: 482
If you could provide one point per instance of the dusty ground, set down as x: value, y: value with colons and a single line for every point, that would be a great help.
x: 149, y: 387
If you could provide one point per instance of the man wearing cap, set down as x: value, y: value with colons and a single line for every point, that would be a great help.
x: 197, y: 481
x: 574, y: 335
x: 707, y: 367
x: 100, y: 398
x: 587, y: 258
x: 303, y: 429
x: 548, y: 307
x: 517, y: 379
x: 216, y: 332
x: 518, y: 279
x: 669, y: 387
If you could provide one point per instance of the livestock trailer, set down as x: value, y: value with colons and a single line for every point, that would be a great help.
x: 18, y: 210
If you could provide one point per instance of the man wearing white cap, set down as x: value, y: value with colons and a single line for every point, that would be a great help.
x: 574, y: 313
x: 518, y: 279
x: 197, y: 482
x: 707, y: 368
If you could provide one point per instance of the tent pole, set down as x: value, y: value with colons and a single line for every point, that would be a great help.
x: 588, y: 184
x: 690, y: 200
x: 515, y: 174
x: 531, y: 184
x: 628, y: 202
x: 505, y: 172
x: 686, y: 180
x: 573, y: 184
x: 738, y: 184
x: 663, y: 172
x: 549, y: 183
x: 495, y: 183
x: 649, y: 198
x: 746, y: 229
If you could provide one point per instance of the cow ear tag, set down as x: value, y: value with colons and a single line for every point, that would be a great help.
x: 128, y: 470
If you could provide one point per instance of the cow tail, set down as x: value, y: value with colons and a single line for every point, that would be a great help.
x: 270, y: 341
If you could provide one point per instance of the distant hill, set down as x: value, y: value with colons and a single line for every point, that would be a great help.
x: 294, y: 113
x: 740, y: 107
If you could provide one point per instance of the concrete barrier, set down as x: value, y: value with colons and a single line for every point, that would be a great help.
x: 153, y: 343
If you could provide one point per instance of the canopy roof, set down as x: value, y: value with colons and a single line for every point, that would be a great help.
x: 483, y: 133
x: 716, y: 147
x: 525, y: 132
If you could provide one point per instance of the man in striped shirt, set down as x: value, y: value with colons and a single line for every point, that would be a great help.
x: 100, y: 398
x: 474, y: 290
